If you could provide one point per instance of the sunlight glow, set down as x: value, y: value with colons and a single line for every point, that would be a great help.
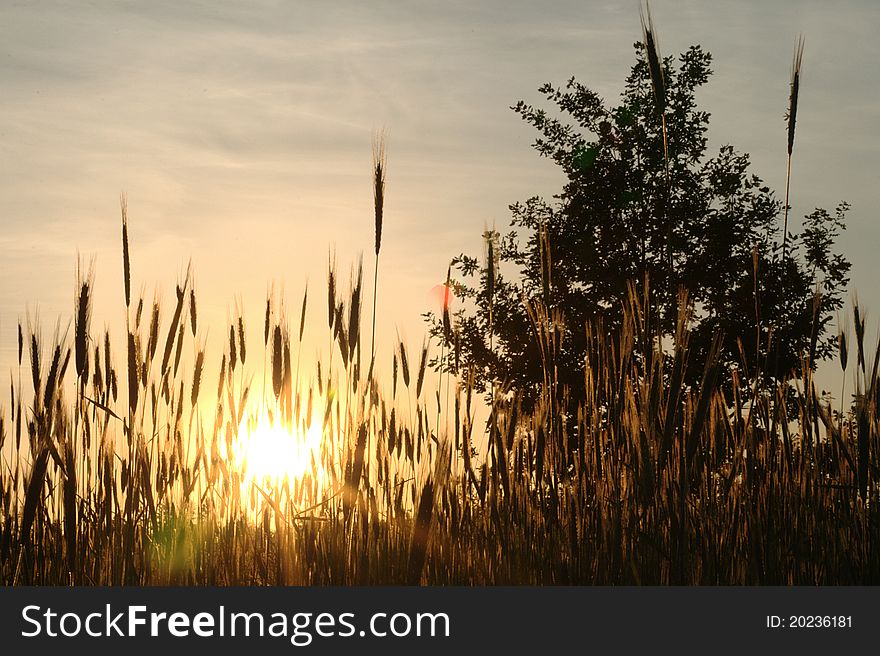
x: 270, y: 453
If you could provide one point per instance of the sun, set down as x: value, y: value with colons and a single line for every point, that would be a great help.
x: 269, y: 452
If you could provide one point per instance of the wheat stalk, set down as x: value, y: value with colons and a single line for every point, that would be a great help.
x: 126, y: 260
x: 85, y: 286
x: 379, y: 169
x: 655, y: 69
x: 791, y: 118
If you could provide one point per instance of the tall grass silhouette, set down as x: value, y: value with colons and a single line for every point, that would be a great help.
x: 659, y: 483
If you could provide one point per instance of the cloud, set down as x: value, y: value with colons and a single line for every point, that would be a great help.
x: 241, y: 131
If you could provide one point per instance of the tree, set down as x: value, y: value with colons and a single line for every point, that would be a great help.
x: 646, y: 204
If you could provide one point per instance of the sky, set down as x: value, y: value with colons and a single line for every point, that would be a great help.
x: 241, y: 134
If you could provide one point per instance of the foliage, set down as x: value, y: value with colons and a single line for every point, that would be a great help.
x: 704, y: 224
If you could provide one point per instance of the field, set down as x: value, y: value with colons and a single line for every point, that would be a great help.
x: 146, y: 473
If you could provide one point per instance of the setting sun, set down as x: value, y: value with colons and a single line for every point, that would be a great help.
x: 268, y: 451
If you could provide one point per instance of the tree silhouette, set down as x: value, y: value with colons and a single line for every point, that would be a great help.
x: 663, y: 215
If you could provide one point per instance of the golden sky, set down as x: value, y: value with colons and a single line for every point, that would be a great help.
x: 241, y: 133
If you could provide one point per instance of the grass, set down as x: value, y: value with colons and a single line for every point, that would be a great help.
x: 657, y: 483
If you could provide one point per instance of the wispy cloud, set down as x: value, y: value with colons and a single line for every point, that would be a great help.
x: 241, y: 131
